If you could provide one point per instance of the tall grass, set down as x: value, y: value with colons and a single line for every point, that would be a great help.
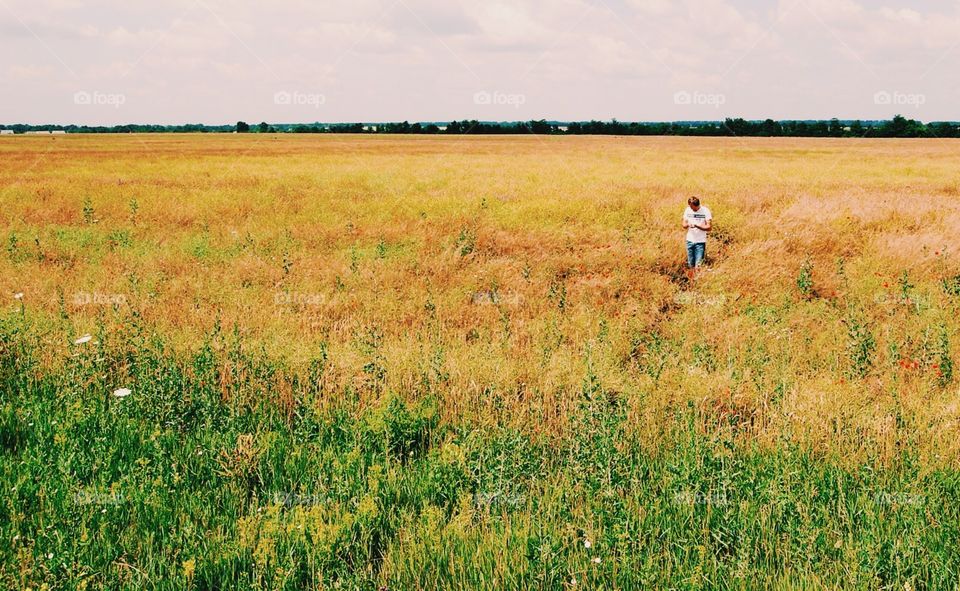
x: 202, y: 477
x: 438, y: 363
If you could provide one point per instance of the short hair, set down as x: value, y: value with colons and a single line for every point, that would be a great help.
x: 693, y: 201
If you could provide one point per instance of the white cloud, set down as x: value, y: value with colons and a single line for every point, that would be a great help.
x: 180, y: 36
x: 30, y: 72
x: 407, y: 59
x: 509, y: 24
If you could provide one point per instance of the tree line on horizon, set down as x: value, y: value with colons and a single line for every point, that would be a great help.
x: 898, y: 127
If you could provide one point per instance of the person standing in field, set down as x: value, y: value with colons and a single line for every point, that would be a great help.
x: 697, y: 221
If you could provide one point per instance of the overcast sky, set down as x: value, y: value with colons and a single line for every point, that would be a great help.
x: 219, y: 61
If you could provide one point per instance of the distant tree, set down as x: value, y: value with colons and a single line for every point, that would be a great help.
x: 944, y: 129
x: 771, y: 128
x: 738, y: 127
x: 900, y: 126
x: 896, y: 127
x: 343, y: 128
x: 541, y: 127
x: 835, y: 129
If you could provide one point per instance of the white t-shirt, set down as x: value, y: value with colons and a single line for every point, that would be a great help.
x: 700, y: 217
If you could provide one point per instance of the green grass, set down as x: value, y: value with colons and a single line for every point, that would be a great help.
x: 225, y: 469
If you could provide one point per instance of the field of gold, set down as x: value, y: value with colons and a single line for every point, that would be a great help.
x: 508, y: 281
x: 510, y: 265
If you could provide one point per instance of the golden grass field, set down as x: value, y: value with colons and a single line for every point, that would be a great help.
x: 486, y: 357
x: 519, y: 261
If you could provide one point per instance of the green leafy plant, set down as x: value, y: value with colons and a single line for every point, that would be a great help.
x: 89, y: 215
x: 805, y: 279
x: 466, y: 241
x: 861, y: 345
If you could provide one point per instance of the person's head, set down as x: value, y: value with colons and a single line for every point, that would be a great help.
x: 694, y: 203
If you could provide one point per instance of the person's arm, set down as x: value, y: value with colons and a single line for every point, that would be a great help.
x: 686, y: 224
x: 707, y: 224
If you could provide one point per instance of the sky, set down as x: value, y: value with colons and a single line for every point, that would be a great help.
x: 108, y: 62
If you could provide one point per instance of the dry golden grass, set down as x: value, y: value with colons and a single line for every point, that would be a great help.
x: 508, y: 268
